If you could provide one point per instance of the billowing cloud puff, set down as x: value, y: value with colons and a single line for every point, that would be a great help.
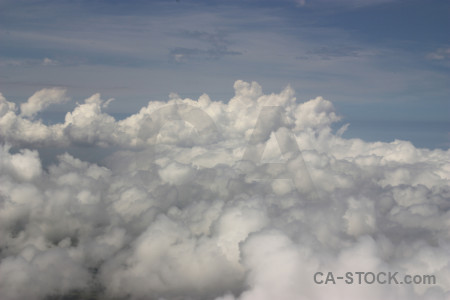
x: 257, y: 198
x: 41, y: 100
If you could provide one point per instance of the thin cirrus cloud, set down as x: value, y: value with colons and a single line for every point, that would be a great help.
x: 440, y: 54
x: 346, y: 4
x: 181, y: 209
x: 217, y: 46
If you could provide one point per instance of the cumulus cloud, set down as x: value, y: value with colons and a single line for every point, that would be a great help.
x: 41, y: 100
x: 202, y: 199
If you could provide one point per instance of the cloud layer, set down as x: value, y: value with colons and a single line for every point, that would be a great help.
x: 209, y: 200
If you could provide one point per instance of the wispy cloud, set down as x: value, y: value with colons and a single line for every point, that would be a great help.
x: 324, y: 4
x: 333, y: 52
x: 28, y: 62
x: 49, y: 62
x: 216, y: 46
x: 440, y: 54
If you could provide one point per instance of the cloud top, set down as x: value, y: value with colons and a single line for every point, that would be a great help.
x: 41, y: 99
x: 202, y: 199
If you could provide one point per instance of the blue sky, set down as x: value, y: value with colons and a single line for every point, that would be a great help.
x: 385, y: 64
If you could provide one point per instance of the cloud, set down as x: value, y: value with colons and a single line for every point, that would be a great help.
x: 217, y: 46
x: 301, y: 2
x: 41, y: 100
x: 327, y: 53
x: 349, y: 4
x: 49, y: 62
x: 201, y: 199
x: 440, y: 54
x: 29, y: 62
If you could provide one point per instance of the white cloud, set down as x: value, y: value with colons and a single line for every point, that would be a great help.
x: 176, y: 213
x: 41, y: 100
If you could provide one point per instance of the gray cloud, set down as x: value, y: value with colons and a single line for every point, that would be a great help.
x: 440, y: 54
x: 217, y: 46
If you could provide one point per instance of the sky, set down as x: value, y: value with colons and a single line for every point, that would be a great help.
x: 383, y: 63
x: 203, y: 150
